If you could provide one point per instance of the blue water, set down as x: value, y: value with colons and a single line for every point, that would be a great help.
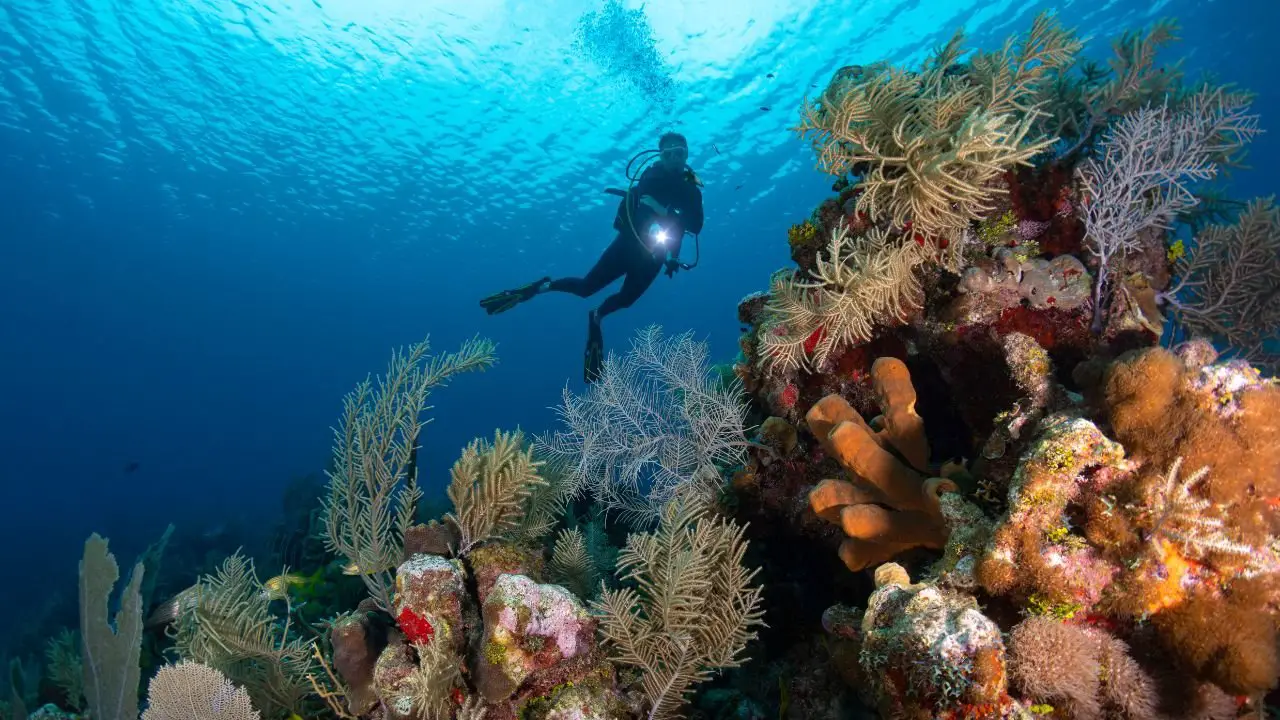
x: 217, y: 216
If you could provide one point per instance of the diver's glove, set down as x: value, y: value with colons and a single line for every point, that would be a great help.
x: 672, y: 266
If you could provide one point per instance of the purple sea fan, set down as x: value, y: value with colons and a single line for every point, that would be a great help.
x: 1028, y: 230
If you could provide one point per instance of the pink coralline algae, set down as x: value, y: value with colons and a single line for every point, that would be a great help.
x: 553, y: 613
x: 1028, y: 230
x: 533, y: 634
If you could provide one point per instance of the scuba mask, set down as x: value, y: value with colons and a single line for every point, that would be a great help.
x: 674, y: 153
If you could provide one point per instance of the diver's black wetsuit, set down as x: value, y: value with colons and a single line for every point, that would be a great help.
x: 626, y: 255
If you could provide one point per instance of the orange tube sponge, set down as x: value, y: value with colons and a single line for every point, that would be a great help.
x: 887, y: 505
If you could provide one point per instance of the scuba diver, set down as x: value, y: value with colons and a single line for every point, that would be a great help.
x: 656, y: 211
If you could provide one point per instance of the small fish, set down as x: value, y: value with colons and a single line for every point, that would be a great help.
x: 277, y: 588
x: 131, y: 466
x: 168, y: 611
x: 770, y: 76
x: 716, y: 148
x: 353, y: 569
x: 737, y: 187
x: 765, y: 108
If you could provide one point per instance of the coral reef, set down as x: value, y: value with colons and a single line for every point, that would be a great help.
x: 930, y: 652
x: 929, y: 144
x: 960, y: 380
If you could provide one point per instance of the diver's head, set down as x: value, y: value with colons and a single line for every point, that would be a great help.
x: 673, y: 151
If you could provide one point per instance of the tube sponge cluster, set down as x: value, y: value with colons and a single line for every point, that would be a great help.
x: 887, y: 505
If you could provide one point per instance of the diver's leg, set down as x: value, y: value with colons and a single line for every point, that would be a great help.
x: 640, y: 275
x: 611, y: 266
x: 641, y: 271
x: 507, y: 299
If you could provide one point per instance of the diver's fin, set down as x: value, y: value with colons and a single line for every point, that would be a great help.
x: 507, y: 299
x: 593, y: 359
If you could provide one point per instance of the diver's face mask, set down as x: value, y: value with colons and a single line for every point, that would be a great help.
x: 674, y: 156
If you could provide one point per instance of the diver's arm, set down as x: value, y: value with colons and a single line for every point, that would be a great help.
x: 654, y: 205
x: 648, y: 187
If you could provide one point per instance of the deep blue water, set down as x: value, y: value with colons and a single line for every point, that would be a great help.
x: 217, y: 216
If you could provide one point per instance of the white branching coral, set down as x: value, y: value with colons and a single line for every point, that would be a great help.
x: 1149, y: 162
x: 1197, y: 524
x: 654, y: 425
x: 864, y: 282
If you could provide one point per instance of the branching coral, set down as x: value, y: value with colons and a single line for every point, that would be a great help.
x: 1229, y: 282
x: 866, y: 281
x: 491, y: 487
x: 930, y: 144
x: 1079, y: 105
x: 65, y: 668
x: 572, y: 564
x: 654, y: 425
x: 1149, y: 160
x: 887, y: 506
x: 692, y: 609
x: 433, y: 682
x: 373, y: 491
x: 231, y: 629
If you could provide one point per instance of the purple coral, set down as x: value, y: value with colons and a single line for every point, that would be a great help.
x: 1028, y: 230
